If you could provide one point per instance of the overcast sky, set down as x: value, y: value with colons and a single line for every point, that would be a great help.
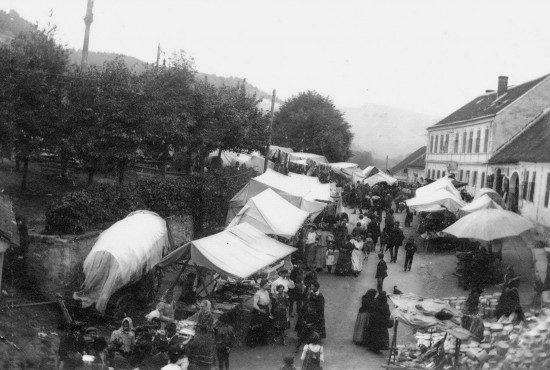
x: 427, y: 56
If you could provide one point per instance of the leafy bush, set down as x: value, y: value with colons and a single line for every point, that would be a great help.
x: 204, y: 196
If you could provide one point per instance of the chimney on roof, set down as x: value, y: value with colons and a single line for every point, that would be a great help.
x: 502, y: 85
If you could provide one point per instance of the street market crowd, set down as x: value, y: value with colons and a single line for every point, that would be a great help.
x: 332, y: 245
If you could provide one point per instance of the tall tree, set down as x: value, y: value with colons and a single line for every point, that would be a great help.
x: 32, y: 80
x: 311, y: 123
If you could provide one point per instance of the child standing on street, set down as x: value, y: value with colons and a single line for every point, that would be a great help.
x: 330, y: 257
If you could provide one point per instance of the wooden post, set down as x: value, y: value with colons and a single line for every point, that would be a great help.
x: 393, y: 342
x: 266, y: 161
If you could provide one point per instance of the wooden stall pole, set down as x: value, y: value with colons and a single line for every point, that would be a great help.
x: 393, y: 342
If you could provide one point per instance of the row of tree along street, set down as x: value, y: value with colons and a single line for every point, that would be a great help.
x: 110, y: 116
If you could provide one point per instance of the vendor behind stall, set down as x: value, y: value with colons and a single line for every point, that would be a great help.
x: 189, y: 289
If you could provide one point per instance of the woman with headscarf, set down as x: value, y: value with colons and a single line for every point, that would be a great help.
x: 343, y: 265
x: 124, y: 339
x: 361, y: 331
x: 358, y: 255
x: 379, y: 338
x: 201, y: 348
x: 260, y: 320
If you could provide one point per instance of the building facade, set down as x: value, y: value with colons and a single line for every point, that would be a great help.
x: 463, y: 142
x: 411, y: 169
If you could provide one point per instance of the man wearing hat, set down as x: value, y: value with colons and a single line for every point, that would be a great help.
x: 410, y: 250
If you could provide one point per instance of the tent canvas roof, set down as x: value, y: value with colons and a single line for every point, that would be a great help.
x: 299, y: 193
x: 122, y: 253
x: 442, y: 183
x: 371, y: 170
x: 440, y: 197
x: 378, y: 178
x: 491, y: 194
x: 306, y: 156
x: 237, y: 252
x: 341, y: 165
x: 271, y: 214
x: 482, y: 202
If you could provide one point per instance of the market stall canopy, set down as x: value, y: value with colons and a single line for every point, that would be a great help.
x: 237, y: 252
x: 378, y: 178
x: 440, y: 197
x: 491, y: 194
x: 370, y: 170
x: 344, y: 165
x: 305, y: 156
x: 252, y: 160
x: 122, y: 255
x: 442, y: 183
x: 419, y: 313
x: 271, y: 214
x: 484, y: 202
x: 300, y: 193
x: 317, y: 190
x: 489, y: 224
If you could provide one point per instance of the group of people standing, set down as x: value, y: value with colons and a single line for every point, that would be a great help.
x: 373, y: 321
x: 273, y: 307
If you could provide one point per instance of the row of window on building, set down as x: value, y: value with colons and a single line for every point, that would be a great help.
x: 529, y: 184
x: 440, y: 143
x: 527, y: 188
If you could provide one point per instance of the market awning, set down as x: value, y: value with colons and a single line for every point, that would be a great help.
x: 483, y: 202
x: 491, y: 194
x: 420, y: 313
x: 378, y: 178
x: 237, y: 252
x: 442, y: 183
x: 370, y: 170
x: 271, y: 214
x: 441, y: 197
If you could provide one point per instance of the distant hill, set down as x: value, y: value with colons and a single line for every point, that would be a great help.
x: 384, y: 130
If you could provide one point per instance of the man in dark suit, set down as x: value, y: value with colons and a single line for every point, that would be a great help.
x: 395, y: 240
x: 317, y: 303
x: 381, y: 272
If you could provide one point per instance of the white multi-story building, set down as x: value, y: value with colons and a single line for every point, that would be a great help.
x: 463, y: 142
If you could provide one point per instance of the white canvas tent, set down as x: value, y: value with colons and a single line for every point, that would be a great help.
x: 344, y: 165
x: 371, y: 170
x: 122, y: 255
x: 297, y: 192
x: 491, y: 194
x: 237, y: 252
x: 378, y: 178
x: 314, y: 157
x: 443, y: 183
x: 483, y: 202
x: 316, y: 190
x: 271, y: 214
x: 253, y: 160
x: 440, y: 197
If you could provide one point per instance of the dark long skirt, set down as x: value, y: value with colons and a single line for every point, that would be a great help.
x: 343, y: 266
x: 377, y: 336
x: 260, y: 328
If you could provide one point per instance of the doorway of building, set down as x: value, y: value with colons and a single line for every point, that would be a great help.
x: 514, y: 192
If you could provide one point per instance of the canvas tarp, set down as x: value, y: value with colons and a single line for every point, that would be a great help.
x: 237, y: 252
x: 370, y: 170
x: 482, y: 202
x: 296, y: 192
x: 419, y: 313
x: 122, y: 255
x: 491, y: 194
x: 253, y: 160
x: 443, y: 183
x: 378, y: 178
x: 271, y: 214
x: 314, y: 157
x: 316, y: 190
x: 344, y: 165
x: 440, y: 197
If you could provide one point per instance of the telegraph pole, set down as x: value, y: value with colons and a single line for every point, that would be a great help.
x: 88, y: 21
x: 158, y: 56
x: 270, y: 130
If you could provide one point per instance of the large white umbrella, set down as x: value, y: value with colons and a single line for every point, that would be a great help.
x: 489, y: 224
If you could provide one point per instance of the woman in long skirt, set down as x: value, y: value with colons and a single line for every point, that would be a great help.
x: 280, y: 313
x: 378, y: 329
x: 363, y: 333
x: 343, y: 266
x: 260, y: 322
x: 358, y: 255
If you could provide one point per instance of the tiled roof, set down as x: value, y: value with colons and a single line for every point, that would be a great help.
x: 415, y: 159
x: 532, y: 145
x: 488, y: 104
